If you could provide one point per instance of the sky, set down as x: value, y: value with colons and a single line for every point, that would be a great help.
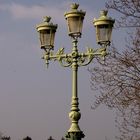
x: 35, y: 101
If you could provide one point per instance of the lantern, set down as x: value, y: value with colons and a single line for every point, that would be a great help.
x: 75, y: 19
x: 103, y: 27
x: 47, y: 33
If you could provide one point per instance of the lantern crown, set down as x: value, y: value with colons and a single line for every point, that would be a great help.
x: 74, y: 10
x: 46, y: 24
x: 103, y: 19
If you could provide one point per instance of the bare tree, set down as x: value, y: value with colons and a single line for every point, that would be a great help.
x: 128, y: 122
x: 50, y: 138
x: 118, y: 79
x: 0, y: 135
x: 6, y: 138
x: 129, y: 10
x: 27, y: 138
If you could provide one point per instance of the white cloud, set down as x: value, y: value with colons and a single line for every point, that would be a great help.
x: 19, y: 11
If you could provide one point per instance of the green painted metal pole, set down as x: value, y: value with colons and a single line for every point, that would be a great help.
x: 74, y: 78
x: 74, y: 133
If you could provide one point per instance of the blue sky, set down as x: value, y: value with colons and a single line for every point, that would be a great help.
x: 34, y: 100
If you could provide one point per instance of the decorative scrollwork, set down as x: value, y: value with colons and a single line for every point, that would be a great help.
x: 65, y: 62
x: 64, y: 59
x: 90, y: 53
x: 60, y: 51
x: 86, y: 58
x: 82, y: 59
x: 103, y: 52
x: 89, y: 50
x: 59, y: 54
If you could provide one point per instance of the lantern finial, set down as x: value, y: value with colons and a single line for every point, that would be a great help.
x: 47, y: 19
x: 74, y: 6
x: 103, y: 13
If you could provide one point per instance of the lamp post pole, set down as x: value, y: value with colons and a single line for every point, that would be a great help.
x: 74, y: 132
x: 75, y: 59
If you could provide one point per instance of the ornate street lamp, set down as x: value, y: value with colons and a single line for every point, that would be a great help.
x: 75, y: 59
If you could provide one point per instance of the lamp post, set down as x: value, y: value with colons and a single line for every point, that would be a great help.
x: 75, y: 59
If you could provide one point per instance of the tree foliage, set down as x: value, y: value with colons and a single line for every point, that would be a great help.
x: 118, y: 79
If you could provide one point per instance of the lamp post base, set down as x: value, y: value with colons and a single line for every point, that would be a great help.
x: 74, y: 135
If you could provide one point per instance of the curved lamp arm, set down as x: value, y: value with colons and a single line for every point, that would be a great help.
x: 65, y: 60
x: 83, y: 59
x: 86, y: 58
